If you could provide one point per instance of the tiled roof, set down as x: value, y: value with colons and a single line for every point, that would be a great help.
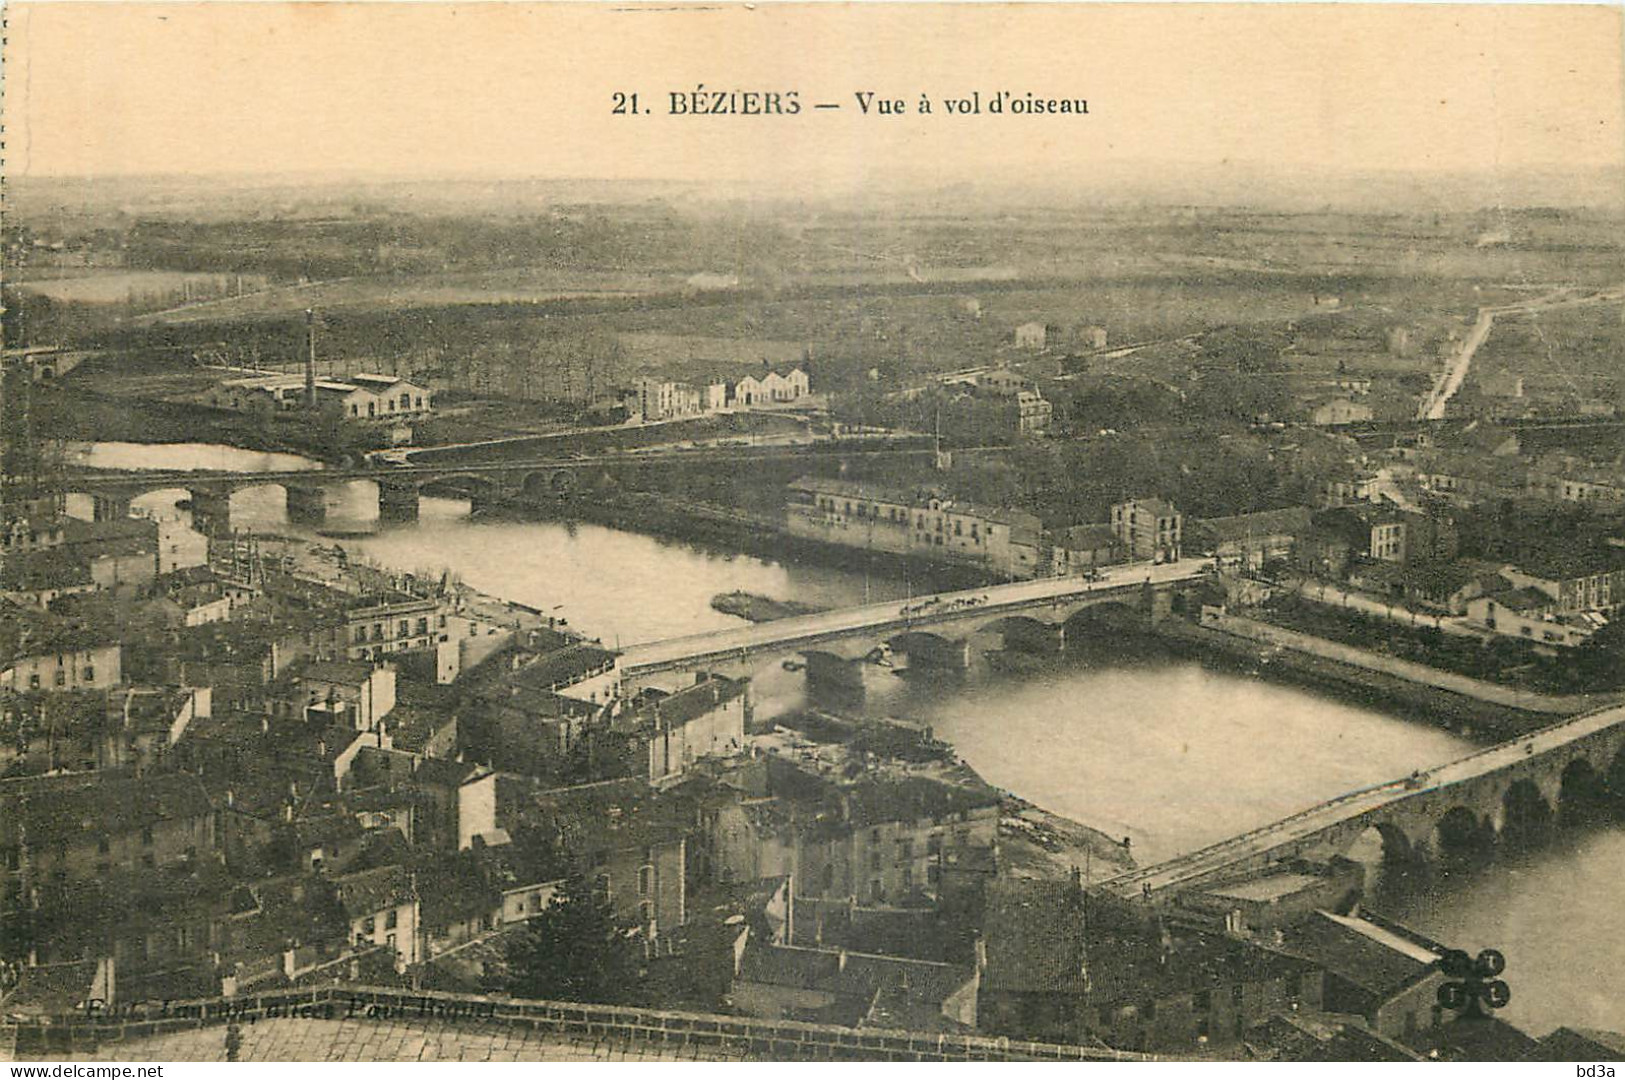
x: 1035, y: 937
x: 1360, y: 952
x: 1287, y: 522
x: 568, y: 665
x: 91, y: 809
x: 372, y: 891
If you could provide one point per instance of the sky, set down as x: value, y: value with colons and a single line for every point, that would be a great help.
x: 511, y: 90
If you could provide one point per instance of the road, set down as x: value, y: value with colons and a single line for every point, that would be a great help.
x: 921, y: 611
x: 1321, y: 593
x: 1450, y: 380
x: 1315, y: 819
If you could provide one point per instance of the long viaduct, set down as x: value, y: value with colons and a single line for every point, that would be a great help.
x: 1513, y: 792
x: 400, y: 487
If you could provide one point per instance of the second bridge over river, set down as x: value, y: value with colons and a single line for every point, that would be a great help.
x: 933, y: 630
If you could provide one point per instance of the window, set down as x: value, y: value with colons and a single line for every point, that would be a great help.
x: 146, y: 835
x: 1203, y: 1000
x: 369, y: 925
x: 147, y: 860
x: 61, y: 678
x: 33, y: 681
x: 392, y: 919
x: 103, y: 846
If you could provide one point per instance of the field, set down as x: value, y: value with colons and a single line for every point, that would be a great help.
x: 140, y: 287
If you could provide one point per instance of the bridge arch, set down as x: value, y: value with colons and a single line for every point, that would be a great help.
x: 1384, y: 845
x: 1100, y: 623
x: 1583, y: 797
x: 1526, y: 816
x: 1614, y: 779
x: 1016, y: 633
x: 1463, y: 840
x: 550, y: 482
x: 926, y: 649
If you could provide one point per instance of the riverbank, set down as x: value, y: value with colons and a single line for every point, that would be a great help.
x: 714, y: 529
x: 1414, y: 690
x: 1033, y: 842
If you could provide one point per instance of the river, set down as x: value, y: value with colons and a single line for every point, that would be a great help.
x: 1169, y: 753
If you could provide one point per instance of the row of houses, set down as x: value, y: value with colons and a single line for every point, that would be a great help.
x: 654, y: 398
x: 1011, y: 543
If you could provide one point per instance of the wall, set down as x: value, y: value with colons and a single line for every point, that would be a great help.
x: 103, y: 663
x: 730, y: 1035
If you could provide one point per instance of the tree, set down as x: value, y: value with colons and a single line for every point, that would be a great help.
x: 573, y: 951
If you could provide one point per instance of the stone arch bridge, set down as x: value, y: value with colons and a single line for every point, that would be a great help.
x: 400, y: 487
x: 1512, y: 793
x: 940, y: 630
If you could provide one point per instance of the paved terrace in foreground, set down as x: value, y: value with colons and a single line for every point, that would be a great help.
x: 1306, y: 823
x: 808, y: 629
x: 343, y: 1022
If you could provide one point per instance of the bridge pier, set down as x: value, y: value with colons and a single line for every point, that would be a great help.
x: 211, y: 511
x: 307, y: 504
x: 397, y: 502
x: 109, y: 507
x: 828, y: 673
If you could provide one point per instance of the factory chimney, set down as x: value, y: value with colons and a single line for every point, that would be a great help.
x: 310, y: 358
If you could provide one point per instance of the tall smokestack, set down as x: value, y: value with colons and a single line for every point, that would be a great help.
x: 310, y: 358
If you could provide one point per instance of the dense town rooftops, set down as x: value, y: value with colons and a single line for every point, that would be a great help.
x: 91, y: 809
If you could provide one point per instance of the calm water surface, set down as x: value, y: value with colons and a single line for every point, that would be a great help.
x: 1166, y: 752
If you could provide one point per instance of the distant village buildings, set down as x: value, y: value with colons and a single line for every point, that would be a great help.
x: 1006, y: 542
x: 653, y: 398
x: 356, y: 397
